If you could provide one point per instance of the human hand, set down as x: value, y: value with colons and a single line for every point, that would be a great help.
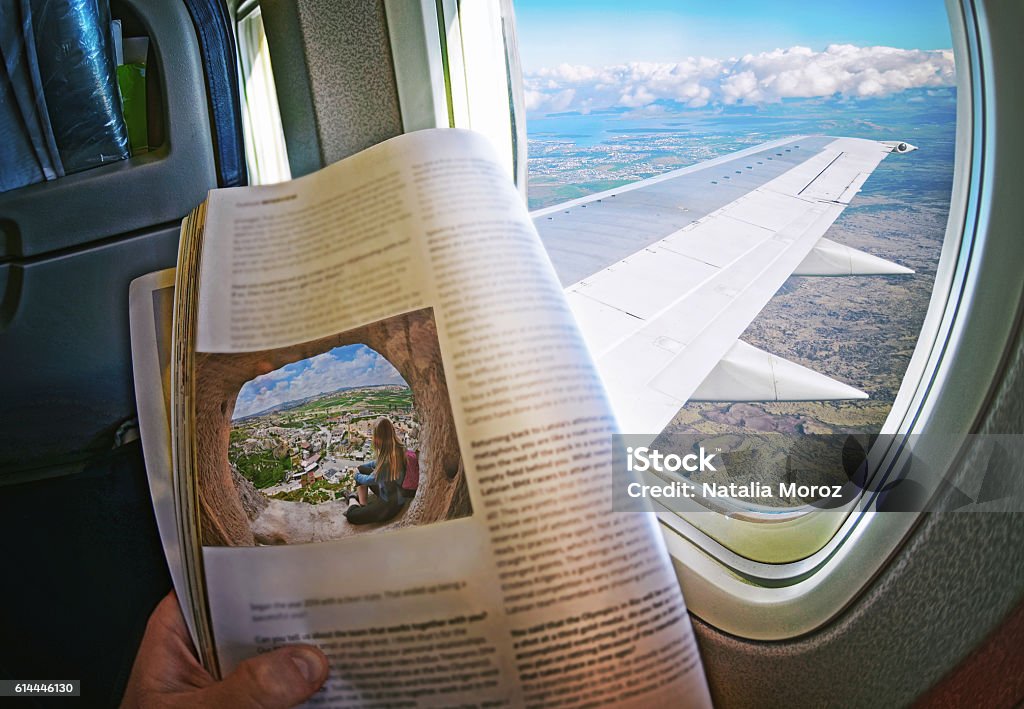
x: 166, y: 673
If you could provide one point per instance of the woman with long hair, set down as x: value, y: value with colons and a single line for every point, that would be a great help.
x: 383, y: 477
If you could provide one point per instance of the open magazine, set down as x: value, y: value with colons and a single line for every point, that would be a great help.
x: 370, y: 423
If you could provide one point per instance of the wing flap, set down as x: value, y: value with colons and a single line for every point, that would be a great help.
x: 767, y: 209
x: 644, y: 283
x: 718, y: 242
x: 747, y: 373
x: 748, y: 285
x: 828, y: 258
x: 604, y: 325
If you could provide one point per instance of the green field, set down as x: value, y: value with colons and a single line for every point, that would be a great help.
x: 378, y: 400
x: 262, y: 469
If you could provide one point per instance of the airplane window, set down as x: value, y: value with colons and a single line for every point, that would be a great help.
x: 266, y: 155
x: 682, y: 128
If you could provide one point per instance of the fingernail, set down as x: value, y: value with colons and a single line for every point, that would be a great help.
x: 309, y: 663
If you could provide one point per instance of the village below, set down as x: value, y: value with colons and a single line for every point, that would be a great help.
x: 306, y: 450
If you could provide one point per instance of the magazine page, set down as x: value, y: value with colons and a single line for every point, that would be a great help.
x: 150, y: 304
x: 395, y: 316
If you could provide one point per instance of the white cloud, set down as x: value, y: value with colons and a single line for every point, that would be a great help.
x: 797, y: 72
x: 324, y: 373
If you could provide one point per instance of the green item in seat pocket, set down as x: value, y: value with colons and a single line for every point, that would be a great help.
x: 131, y: 78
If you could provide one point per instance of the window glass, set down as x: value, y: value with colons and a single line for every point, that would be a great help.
x: 636, y: 90
x: 266, y: 154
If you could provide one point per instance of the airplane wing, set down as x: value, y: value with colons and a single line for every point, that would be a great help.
x: 665, y: 274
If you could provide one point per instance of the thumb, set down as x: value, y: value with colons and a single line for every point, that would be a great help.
x: 282, y: 678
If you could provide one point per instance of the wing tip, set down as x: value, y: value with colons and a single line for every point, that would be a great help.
x: 899, y: 146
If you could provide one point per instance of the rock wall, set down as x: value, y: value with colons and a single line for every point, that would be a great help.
x: 253, y: 501
x: 410, y: 343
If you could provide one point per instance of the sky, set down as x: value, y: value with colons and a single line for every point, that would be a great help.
x: 602, y: 32
x: 342, y: 367
x: 580, y: 55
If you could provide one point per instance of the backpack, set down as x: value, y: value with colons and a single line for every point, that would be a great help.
x: 412, y: 475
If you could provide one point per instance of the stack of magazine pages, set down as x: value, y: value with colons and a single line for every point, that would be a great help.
x: 370, y: 423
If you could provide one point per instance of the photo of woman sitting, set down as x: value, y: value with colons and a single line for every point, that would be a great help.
x: 384, y: 477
